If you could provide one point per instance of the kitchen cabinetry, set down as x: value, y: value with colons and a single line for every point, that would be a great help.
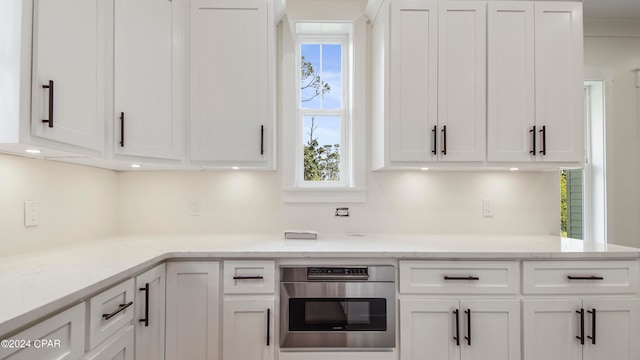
x: 535, y: 82
x: 62, y: 334
x: 148, y: 74
x: 467, y: 322
x: 192, y: 313
x: 436, y: 81
x: 68, y: 80
x: 110, y: 311
x: 149, y: 318
x: 248, y: 307
x: 232, y: 83
x: 119, y: 347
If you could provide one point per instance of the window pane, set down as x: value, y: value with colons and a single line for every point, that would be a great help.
x: 321, y: 76
x: 321, y: 140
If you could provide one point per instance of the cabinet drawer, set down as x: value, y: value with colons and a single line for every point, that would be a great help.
x: 459, y: 277
x: 110, y: 311
x: 60, y: 337
x: 580, y: 277
x: 119, y: 347
x: 249, y: 277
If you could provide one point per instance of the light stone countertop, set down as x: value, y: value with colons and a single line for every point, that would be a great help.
x: 37, y: 284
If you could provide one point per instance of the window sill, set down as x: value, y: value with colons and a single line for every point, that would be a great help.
x: 324, y: 195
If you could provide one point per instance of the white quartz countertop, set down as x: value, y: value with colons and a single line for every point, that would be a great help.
x: 36, y: 284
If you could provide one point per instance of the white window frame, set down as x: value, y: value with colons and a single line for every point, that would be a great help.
x: 343, y: 113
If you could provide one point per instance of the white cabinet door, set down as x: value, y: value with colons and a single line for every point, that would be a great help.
x: 414, y: 80
x: 550, y: 328
x: 511, y: 101
x: 462, y: 71
x: 248, y: 329
x: 427, y: 330
x: 230, y: 90
x: 559, y: 80
x: 120, y: 347
x: 193, y: 299
x: 148, y: 77
x: 492, y: 329
x: 616, y: 328
x: 69, y: 58
x: 149, y: 318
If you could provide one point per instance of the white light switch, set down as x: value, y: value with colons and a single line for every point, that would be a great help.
x: 195, y: 208
x: 31, y: 213
x: 487, y: 208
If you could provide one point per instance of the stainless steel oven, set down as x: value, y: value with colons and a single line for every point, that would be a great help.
x: 337, y: 307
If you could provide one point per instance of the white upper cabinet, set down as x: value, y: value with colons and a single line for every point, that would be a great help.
x: 68, y: 72
x: 535, y: 82
x: 232, y: 88
x: 148, y: 75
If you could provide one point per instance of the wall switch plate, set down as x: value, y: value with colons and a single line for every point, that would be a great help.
x: 31, y: 213
x: 487, y: 208
x: 342, y: 212
x: 195, y: 208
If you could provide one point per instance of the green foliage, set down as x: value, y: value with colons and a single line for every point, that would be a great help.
x: 321, y: 163
x: 309, y: 79
x: 563, y: 202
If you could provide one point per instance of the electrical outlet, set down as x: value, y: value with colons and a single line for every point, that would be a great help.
x: 31, y: 213
x: 195, y: 208
x: 342, y: 212
x: 487, y: 208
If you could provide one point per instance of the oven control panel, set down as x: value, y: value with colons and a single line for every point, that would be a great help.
x: 355, y: 273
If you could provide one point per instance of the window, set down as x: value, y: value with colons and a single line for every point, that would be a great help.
x: 323, y: 151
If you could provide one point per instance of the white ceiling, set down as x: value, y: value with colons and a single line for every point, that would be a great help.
x: 612, y: 9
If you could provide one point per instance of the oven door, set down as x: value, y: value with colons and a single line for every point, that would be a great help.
x: 337, y: 315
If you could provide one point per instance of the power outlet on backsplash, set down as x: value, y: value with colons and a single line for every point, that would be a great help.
x: 342, y: 212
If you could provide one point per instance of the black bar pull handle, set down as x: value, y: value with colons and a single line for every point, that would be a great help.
x: 120, y: 309
x: 593, y: 326
x: 434, y: 133
x: 468, y: 337
x: 533, y: 140
x: 146, y: 305
x: 257, y: 277
x: 457, y: 337
x: 268, y: 325
x: 591, y: 277
x: 447, y: 277
x: 544, y: 140
x: 51, y: 92
x: 581, y: 337
x: 122, y: 129
x: 261, y: 139
x: 444, y: 140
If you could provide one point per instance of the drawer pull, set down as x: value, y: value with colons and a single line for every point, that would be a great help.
x: 120, y: 309
x: 461, y: 277
x: 585, y: 277
x: 258, y: 277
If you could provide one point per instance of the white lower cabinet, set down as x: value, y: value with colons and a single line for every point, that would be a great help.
x: 149, y: 317
x: 119, y: 347
x: 248, y: 329
x: 576, y: 329
x: 192, y: 311
x: 444, y: 329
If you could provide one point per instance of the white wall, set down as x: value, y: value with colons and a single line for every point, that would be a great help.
x: 77, y: 203
x: 406, y: 202
x: 612, y: 51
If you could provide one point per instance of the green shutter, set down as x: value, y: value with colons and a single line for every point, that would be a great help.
x: 575, y: 203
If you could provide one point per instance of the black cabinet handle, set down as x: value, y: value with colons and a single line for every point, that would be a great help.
x: 258, y: 277
x: 544, y: 140
x: 120, y: 309
x: 457, y: 337
x: 51, y: 91
x: 446, y: 277
x: 146, y: 304
x: 592, y: 277
x: 122, y: 129
x: 268, y: 325
x: 444, y: 140
x: 581, y: 337
x: 261, y: 139
x: 533, y: 140
x: 468, y: 337
x: 593, y: 326
x: 434, y: 133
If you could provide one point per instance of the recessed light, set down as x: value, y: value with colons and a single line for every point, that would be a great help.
x: 33, y: 151
x: 235, y: 168
x: 424, y: 168
x: 135, y: 166
x: 514, y: 169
